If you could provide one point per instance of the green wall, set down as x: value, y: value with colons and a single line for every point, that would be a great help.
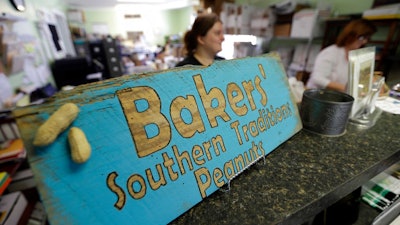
x: 350, y: 7
x: 106, y: 16
x: 339, y: 7
x: 178, y: 20
x: 160, y: 23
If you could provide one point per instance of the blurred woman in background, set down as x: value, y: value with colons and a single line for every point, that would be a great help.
x: 203, y: 41
x: 331, y: 68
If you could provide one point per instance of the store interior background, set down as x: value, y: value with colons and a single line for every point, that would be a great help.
x: 36, y: 54
x: 155, y: 22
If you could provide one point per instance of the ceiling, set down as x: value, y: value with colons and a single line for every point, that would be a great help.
x: 112, y: 3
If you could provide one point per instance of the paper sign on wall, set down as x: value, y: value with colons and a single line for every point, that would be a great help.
x: 161, y: 142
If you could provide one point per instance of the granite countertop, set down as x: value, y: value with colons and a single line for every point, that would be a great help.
x: 304, y: 175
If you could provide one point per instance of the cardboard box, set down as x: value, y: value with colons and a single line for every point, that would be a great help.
x: 282, y: 30
x: 306, y: 24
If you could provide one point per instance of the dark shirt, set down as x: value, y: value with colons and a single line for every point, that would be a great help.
x: 191, y: 60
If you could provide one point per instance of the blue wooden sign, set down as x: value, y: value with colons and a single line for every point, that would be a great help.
x: 160, y: 143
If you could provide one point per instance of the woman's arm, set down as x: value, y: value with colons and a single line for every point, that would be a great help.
x: 336, y: 86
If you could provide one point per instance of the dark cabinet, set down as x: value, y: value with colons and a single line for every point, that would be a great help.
x: 105, y: 54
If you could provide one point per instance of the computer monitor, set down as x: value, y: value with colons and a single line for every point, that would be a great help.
x: 72, y: 71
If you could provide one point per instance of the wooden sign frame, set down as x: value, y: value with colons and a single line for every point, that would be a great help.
x: 161, y: 142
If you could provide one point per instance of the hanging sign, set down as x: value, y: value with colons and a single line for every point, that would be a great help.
x: 160, y: 143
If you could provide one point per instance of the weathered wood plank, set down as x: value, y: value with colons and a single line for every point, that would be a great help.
x: 160, y: 142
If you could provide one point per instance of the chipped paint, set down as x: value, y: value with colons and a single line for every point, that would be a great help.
x: 161, y: 142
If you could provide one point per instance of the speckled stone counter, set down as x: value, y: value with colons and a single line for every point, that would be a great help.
x: 306, y: 174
